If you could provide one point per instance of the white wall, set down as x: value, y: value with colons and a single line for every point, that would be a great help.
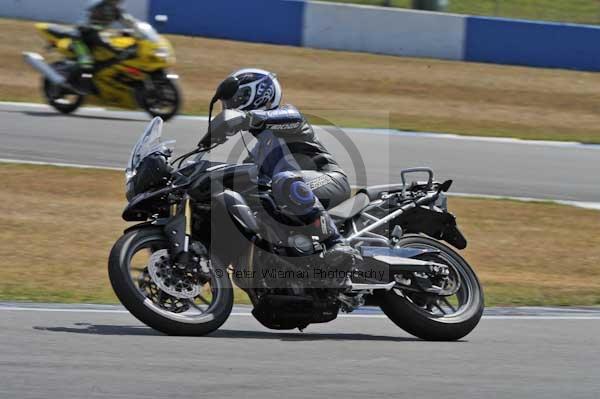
x: 384, y: 30
x: 63, y: 11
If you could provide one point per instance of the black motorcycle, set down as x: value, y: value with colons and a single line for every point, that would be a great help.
x: 204, y: 224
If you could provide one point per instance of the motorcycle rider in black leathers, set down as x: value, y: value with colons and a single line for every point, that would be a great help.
x: 304, y: 176
x: 101, y: 14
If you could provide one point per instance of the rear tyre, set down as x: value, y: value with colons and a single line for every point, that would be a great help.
x: 59, y: 98
x: 163, y: 99
x: 155, y: 308
x: 425, y: 316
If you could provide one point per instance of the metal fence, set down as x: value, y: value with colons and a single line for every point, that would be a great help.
x: 577, y: 11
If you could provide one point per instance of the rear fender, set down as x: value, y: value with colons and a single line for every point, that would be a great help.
x: 42, y: 28
x: 437, y: 224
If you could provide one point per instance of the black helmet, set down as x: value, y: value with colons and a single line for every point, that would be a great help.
x: 104, y: 12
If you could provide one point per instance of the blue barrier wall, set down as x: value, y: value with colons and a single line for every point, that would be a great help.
x: 353, y: 28
x: 267, y: 21
x: 61, y: 11
x: 539, y: 44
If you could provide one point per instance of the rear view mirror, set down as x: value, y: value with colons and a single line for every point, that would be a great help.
x: 445, y: 186
x: 227, y: 89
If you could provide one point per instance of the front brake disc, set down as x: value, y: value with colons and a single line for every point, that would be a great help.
x: 165, y: 276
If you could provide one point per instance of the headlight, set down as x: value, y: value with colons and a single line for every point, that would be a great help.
x: 162, y: 53
x: 152, y: 173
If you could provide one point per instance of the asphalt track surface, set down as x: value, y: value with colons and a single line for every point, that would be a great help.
x: 478, y: 166
x: 75, y: 351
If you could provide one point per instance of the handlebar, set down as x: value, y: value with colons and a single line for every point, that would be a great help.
x: 208, y: 142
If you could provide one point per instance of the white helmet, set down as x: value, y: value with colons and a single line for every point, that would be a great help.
x: 259, y: 89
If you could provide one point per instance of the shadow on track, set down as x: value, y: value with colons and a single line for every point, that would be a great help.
x: 97, y: 329
x: 93, y: 329
x: 300, y: 336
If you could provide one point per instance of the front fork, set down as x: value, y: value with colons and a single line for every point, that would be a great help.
x: 179, y: 228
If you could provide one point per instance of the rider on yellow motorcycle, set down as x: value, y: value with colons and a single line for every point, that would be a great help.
x: 126, y: 68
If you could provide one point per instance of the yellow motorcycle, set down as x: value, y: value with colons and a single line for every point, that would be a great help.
x: 141, y: 80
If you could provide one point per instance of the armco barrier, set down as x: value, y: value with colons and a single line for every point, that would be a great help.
x: 550, y: 45
x: 61, y: 11
x: 267, y: 21
x: 353, y: 28
x: 384, y: 30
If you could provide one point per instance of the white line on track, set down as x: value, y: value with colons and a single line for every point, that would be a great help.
x: 343, y: 316
x: 577, y: 204
x: 379, y: 131
x: 59, y: 164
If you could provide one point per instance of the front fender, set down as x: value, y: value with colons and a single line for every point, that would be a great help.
x: 144, y: 205
x: 146, y: 225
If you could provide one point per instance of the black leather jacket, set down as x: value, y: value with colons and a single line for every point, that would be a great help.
x: 289, y: 124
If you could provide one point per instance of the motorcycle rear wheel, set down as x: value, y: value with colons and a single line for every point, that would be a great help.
x: 59, y: 98
x: 426, y: 316
x: 155, y: 308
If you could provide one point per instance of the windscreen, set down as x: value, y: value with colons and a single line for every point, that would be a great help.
x: 146, y: 31
x: 149, y: 143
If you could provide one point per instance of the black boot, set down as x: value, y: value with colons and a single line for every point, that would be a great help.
x: 342, y: 256
x: 340, y: 260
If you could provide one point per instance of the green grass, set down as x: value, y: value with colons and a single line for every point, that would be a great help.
x: 577, y: 11
x: 69, y: 220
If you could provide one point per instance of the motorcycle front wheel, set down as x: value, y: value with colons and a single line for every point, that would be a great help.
x: 162, y: 97
x: 133, y: 279
x: 432, y: 317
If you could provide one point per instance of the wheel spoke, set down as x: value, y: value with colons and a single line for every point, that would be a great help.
x: 449, y: 304
x: 437, y: 305
x: 206, y: 302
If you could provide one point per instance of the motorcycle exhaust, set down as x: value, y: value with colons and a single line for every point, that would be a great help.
x: 38, y: 63
x: 356, y: 287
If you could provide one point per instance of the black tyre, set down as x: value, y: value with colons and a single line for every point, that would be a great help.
x: 164, y: 99
x: 431, y: 317
x: 156, y: 308
x: 59, y: 98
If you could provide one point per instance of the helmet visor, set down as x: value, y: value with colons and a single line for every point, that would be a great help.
x: 240, y: 99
